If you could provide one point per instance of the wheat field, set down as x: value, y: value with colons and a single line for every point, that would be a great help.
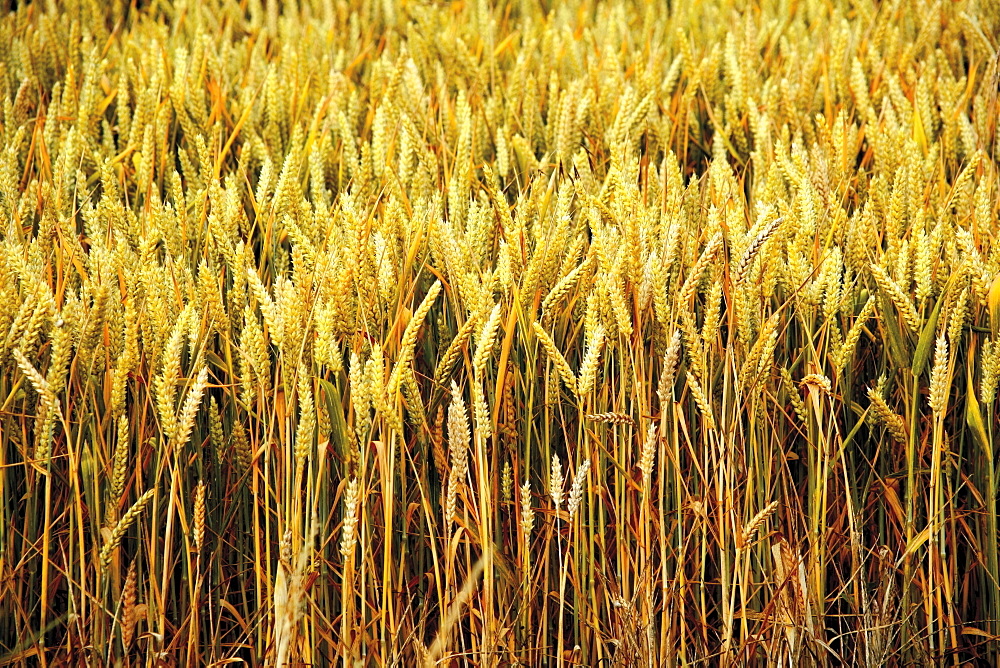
x: 499, y: 333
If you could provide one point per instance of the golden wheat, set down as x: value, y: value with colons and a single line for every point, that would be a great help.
x: 499, y: 333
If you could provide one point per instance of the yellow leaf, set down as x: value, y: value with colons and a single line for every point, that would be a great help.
x: 919, y: 135
x: 974, y: 418
x: 914, y: 544
x: 973, y: 631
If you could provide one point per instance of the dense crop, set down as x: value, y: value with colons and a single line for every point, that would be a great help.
x: 500, y: 332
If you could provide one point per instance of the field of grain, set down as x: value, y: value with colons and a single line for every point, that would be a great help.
x: 499, y: 333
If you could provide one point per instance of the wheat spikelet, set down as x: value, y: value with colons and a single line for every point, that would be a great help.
x: 411, y: 395
x: 817, y: 380
x: 668, y: 374
x: 647, y: 456
x: 750, y: 254
x: 437, y: 444
x: 710, y: 326
x: 409, y: 339
x: 129, y: 617
x: 305, y: 430
x: 576, y: 489
x: 458, y: 428
x: 991, y: 373
x: 611, y: 418
x: 702, y: 402
x: 898, y: 297
x: 756, y: 522
x: 165, y: 384
x: 454, y: 351
x: 119, y: 469
x: 556, y: 482
x: 37, y: 380
x: 591, y: 359
x: 118, y: 533
x: 556, y: 357
x: 794, y: 396
x: 56, y: 378
x: 216, y: 434
x: 938, y: 398
x: 615, y: 295
x: 892, y: 422
x: 348, y: 536
x: 185, y: 421
x: 241, y: 447
x: 509, y: 421
x: 267, y: 306
x: 458, y: 443
x: 48, y: 409
x: 957, y: 316
x: 846, y: 350
x: 507, y: 483
x: 694, y: 276
x: 375, y: 386
x: 760, y: 354
x: 479, y: 361
x: 527, y: 513
x: 289, y: 591
x: 484, y: 423
x: 45, y: 307
x: 484, y: 347
x: 24, y: 313
x: 199, y: 517
x: 562, y: 288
